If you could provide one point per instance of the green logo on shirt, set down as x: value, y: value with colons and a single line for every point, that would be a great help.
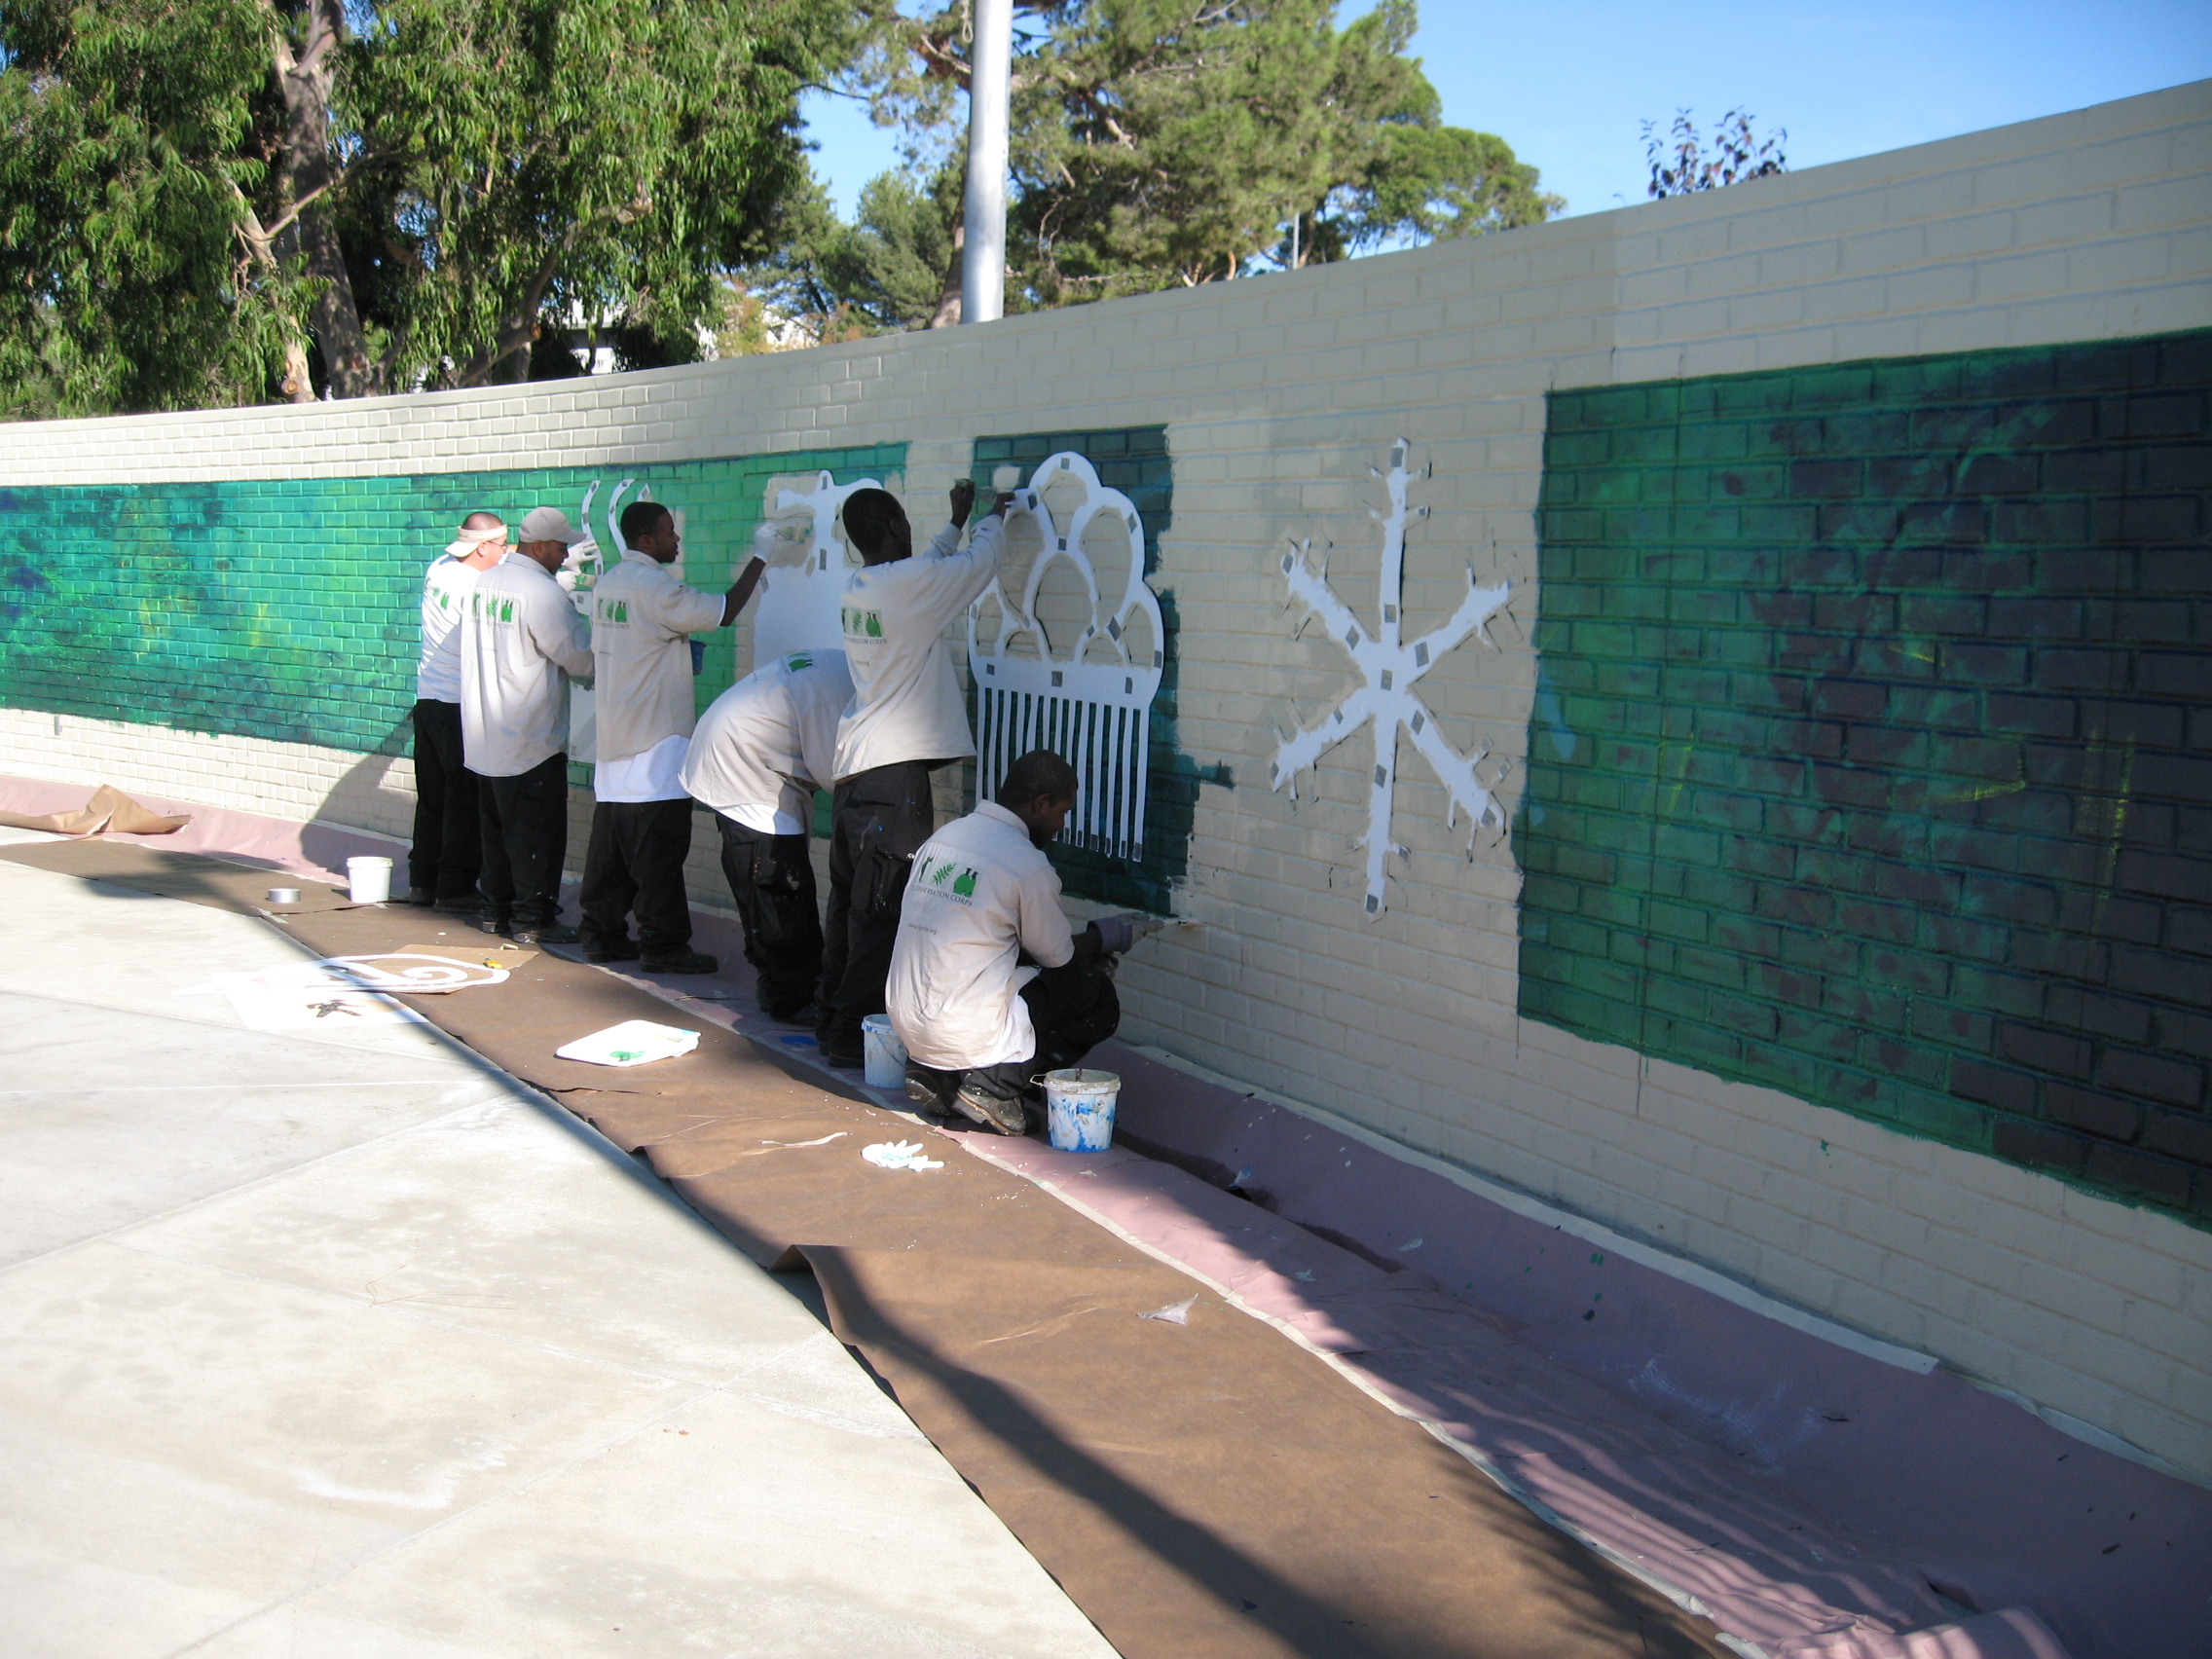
x: 617, y: 611
x: 796, y: 661
x: 962, y: 877
x: 862, y: 624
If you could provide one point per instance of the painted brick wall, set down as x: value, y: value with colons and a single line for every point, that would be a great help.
x: 1277, y: 395
x: 1872, y: 748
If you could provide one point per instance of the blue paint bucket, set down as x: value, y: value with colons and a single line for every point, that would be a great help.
x: 1079, y: 1109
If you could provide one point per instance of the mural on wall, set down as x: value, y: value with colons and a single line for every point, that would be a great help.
x: 797, y: 608
x: 1870, y: 758
x: 1389, y: 666
x: 287, y: 609
x: 1132, y: 461
x: 1066, y: 651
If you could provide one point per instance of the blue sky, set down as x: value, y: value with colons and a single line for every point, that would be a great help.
x: 1569, y: 82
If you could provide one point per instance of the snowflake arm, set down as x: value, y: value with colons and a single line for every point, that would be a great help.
x: 1467, y: 791
x: 1313, y: 593
x: 1308, y: 747
x: 1472, y: 617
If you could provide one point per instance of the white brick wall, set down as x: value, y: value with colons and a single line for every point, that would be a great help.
x: 1278, y: 395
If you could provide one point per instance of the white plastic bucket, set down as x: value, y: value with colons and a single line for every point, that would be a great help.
x: 882, y: 1053
x: 1079, y: 1109
x: 370, y: 880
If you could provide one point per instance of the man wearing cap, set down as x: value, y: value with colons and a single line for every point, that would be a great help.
x: 908, y: 718
x: 522, y: 640
x: 990, y: 986
x: 762, y: 749
x: 642, y: 619
x: 442, y: 863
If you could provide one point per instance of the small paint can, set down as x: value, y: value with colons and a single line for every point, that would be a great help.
x: 1079, y: 1109
x: 882, y: 1053
x: 369, y: 880
x: 283, y: 895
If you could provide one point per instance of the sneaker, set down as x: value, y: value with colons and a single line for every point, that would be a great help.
x: 621, y: 950
x: 549, y: 933
x: 680, y: 962
x: 491, y: 922
x: 803, y: 1015
x: 1007, y: 1117
x: 837, y: 1055
x: 420, y: 896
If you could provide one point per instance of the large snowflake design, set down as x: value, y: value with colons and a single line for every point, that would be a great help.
x: 1390, y: 667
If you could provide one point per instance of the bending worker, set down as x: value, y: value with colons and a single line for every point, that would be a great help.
x: 521, y: 644
x: 989, y: 986
x: 447, y: 849
x: 906, y: 719
x: 762, y: 749
x: 641, y: 828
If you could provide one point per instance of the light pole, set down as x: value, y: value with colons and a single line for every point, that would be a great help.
x: 983, y: 254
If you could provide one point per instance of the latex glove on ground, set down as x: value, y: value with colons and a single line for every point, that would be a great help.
x: 1118, y: 933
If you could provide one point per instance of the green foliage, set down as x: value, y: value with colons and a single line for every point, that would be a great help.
x: 1163, y: 142
x: 884, y: 272
x: 138, y: 137
x: 189, y: 187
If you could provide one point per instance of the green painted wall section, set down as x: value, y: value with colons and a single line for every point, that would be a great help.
x: 1873, y: 751
x: 286, y: 608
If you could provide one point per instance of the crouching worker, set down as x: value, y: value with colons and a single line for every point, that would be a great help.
x: 989, y: 986
x: 762, y: 749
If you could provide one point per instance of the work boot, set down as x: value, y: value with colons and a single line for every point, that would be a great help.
x: 617, y: 951
x: 931, y: 1091
x: 419, y: 896
x: 1006, y: 1117
x: 680, y: 962
x: 546, y: 932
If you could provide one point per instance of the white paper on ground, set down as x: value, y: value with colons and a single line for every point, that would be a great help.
x: 305, y: 996
x: 633, y: 1042
x: 1175, y: 1313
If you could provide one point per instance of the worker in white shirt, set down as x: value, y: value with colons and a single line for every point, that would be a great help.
x: 447, y: 849
x: 908, y: 718
x: 762, y: 749
x: 642, y: 621
x: 990, y: 987
x: 521, y: 644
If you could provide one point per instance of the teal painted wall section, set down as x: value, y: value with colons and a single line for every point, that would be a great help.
x: 286, y: 608
x: 1872, y: 749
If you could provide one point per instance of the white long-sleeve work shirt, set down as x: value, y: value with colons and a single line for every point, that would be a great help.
x: 446, y: 587
x: 764, y: 746
x: 642, y: 619
x: 981, y: 892
x: 522, y: 640
x: 907, y: 703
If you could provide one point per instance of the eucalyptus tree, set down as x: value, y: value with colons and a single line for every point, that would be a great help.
x: 207, y: 200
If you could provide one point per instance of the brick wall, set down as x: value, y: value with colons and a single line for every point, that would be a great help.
x: 1277, y: 396
x: 1874, y: 752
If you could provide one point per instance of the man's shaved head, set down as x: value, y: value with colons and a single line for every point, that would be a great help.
x: 1039, y: 775
x: 483, y: 520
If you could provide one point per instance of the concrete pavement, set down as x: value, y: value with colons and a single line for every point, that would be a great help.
x: 333, y: 1342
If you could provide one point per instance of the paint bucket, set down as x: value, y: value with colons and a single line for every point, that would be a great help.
x: 884, y: 1055
x: 369, y: 879
x: 283, y: 895
x: 1079, y: 1109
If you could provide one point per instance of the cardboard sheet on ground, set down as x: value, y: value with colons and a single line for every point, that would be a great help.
x: 1209, y: 1491
x: 219, y: 883
x: 109, y: 810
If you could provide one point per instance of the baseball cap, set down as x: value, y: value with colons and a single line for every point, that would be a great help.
x: 549, y: 523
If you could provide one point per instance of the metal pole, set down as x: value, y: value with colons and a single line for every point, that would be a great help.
x: 983, y: 254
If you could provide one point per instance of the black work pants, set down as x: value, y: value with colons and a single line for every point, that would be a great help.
x: 634, y: 863
x: 526, y: 842
x: 449, y: 840
x: 878, y: 820
x: 1074, y: 1009
x: 771, y: 879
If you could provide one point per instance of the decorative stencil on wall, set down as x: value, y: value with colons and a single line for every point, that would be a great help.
x: 1389, y: 666
x: 798, y: 608
x: 1065, y: 649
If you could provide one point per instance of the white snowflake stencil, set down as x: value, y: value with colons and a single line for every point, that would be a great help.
x: 1390, y: 667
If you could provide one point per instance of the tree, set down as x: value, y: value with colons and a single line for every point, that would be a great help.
x: 204, y: 200
x: 1163, y: 142
x: 883, y: 272
x: 1680, y: 164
